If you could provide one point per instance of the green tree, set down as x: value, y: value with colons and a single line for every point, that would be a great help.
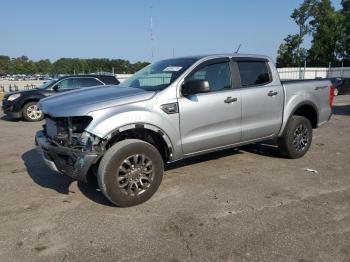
x: 290, y: 54
x: 43, y: 66
x: 345, y: 39
x: 326, y: 28
x: 329, y: 30
x: 301, y: 17
x: 23, y: 65
x: 4, y: 64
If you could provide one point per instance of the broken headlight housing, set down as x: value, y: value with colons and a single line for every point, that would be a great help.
x: 68, y: 131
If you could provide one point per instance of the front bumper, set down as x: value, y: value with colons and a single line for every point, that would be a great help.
x: 9, y: 109
x: 68, y: 161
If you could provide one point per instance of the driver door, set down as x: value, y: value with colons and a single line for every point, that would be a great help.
x: 211, y: 120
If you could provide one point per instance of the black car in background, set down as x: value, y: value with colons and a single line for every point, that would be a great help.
x: 341, y: 85
x: 24, y: 103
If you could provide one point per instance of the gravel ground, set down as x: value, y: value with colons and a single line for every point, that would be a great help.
x: 247, y: 204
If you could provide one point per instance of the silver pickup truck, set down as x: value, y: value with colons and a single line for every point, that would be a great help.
x: 174, y: 109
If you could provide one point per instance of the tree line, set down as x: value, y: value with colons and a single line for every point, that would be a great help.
x: 23, y: 65
x: 330, y: 33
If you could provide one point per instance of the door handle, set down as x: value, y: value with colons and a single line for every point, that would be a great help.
x: 272, y: 93
x: 230, y: 100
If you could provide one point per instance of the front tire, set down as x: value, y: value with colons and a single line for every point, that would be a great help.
x: 31, y: 112
x: 130, y: 172
x: 296, y: 138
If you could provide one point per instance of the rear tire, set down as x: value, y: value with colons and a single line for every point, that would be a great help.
x: 297, y: 137
x: 31, y: 112
x: 130, y: 172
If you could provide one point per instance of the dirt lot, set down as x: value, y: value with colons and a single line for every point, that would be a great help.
x: 247, y: 204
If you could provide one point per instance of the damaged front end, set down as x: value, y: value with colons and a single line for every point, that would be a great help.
x: 67, y: 148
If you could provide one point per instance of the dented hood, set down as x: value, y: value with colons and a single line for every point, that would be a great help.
x: 82, y: 101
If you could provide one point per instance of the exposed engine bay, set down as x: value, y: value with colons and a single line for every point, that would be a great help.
x: 70, y: 132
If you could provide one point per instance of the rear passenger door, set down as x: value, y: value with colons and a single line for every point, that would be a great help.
x: 262, y: 99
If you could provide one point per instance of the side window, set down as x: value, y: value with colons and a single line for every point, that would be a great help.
x: 109, y: 80
x: 89, y: 81
x: 253, y: 73
x: 69, y: 83
x: 218, y: 75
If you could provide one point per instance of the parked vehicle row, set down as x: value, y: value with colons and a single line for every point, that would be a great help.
x: 175, y: 109
x: 24, y: 103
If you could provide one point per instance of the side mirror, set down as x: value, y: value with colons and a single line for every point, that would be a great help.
x: 193, y: 87
x: 56, y: 87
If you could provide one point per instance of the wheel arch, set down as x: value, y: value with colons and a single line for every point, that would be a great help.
x: 29, y: 99
x: 307, y: 109
x: 145, y: 132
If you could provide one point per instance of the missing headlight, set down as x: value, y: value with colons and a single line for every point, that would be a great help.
x: 79, y: 123
x: 67, y: 131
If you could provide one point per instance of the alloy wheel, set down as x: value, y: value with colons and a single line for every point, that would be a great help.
x: 135, y: 175
x: 33, y: 112
x: 301, y: 138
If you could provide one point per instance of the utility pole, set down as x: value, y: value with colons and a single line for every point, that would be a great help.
x: 151, y: 34
x: 173, y: 52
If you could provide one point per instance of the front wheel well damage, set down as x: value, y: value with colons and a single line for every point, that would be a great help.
x: 154, y: 138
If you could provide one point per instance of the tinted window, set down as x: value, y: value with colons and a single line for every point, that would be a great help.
x: 109, y: 80
x: 69, y: 83
x: 218, y: 76
x: 254, y: 73
x: 86, y: 82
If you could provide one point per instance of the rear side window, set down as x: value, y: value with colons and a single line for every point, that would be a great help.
x: 86, y: 82
x: 254, y: 73
x: 109, y: 80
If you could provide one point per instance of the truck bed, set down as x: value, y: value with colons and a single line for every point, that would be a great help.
x: 314, y: 91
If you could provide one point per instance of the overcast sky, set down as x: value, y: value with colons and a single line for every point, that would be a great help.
x: 121, y: 29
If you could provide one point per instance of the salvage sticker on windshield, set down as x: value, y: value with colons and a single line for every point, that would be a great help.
x: 172, y: 69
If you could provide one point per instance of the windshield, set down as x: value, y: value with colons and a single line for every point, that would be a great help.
x: 47, y: 84
x: 159, y: 75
